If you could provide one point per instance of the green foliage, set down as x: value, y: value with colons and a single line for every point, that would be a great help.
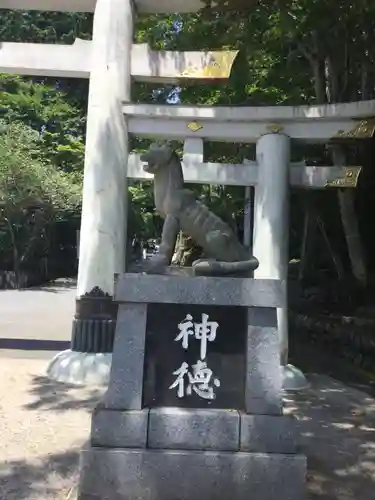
x: 33, y: 195
x: 291, y: 52
x: 25, y: 177
x: 46, y: 110
x: 55, y: 107
x: 44, y: 27
x: 143, y: 220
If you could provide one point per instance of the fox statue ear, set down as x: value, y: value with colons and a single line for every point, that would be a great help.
x: 155, y: 145
x: 161, y: 145
x: 167, y: 147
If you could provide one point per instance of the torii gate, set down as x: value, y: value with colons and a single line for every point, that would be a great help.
x: 112, y: 61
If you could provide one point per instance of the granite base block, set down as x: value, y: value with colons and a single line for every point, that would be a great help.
x: 189, y: 475
x: 194, y: 429
x: 263, y: 393
x: 119, y: 429
x: 267, y: 434
x: 215, y: 291
x: 126, y: 380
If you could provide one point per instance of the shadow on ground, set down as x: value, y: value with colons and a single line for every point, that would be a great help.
x: 57, y: 416
x: 54, y: 286
x: 50, y: 395
x: 34, y: 344
x: 336, y: 425
x: 312, y: 359
x: 337, y: 433
x: 49, y: 477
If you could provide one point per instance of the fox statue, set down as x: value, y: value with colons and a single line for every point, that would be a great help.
x: 182, y: 211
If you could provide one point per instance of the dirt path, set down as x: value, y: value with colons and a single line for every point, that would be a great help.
x: 337, y: 433
x: 43, y: 425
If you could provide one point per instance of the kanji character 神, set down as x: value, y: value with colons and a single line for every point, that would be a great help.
x: 204, y: 331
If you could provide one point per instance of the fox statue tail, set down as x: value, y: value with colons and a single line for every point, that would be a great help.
x: 210, y: 267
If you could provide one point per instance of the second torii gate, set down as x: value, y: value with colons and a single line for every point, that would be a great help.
x: 111, y: 61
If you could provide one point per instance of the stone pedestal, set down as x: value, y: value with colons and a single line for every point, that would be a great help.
x: 190, y: 475
x: 220, y: 436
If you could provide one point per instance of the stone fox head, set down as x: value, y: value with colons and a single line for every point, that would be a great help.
x: 158, y: 156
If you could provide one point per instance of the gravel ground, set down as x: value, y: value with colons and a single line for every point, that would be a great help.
x: 337, y: 433
x: 43, y: 425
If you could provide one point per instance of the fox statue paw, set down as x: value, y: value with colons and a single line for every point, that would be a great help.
x: 157, y: 264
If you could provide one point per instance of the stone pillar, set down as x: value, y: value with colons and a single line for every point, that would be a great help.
x: 247, y: 218
x: 103, y: 225
x: 271, y: 231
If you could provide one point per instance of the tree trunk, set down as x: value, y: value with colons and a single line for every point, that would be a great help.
x: 350, y: 224
x: 186, y: 252
x: 346, y: 196
x: 308, y: 238
x: 16, y: 257
x: 319, y: 80
x: 364, y: 82
x: 332, y: 85
x: 35, y: 235
x: 352, y: 236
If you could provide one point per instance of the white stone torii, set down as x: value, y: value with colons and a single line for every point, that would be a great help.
x: 77, y: 61
x: 151, y: 6
x: 197, y: 171
x: 111, y: 117
x: 314, y: 124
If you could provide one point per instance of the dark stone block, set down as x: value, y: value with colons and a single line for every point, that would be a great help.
x: 94, y: 322
x: 213, y: 291
x: 267, y: 434
x: 126, y: 379
x: 224, y: 356
x: 119, y: 429
x: 190, y: 475
x: 189, y: 429
x: 263, y: 394
x: 93, y: 335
